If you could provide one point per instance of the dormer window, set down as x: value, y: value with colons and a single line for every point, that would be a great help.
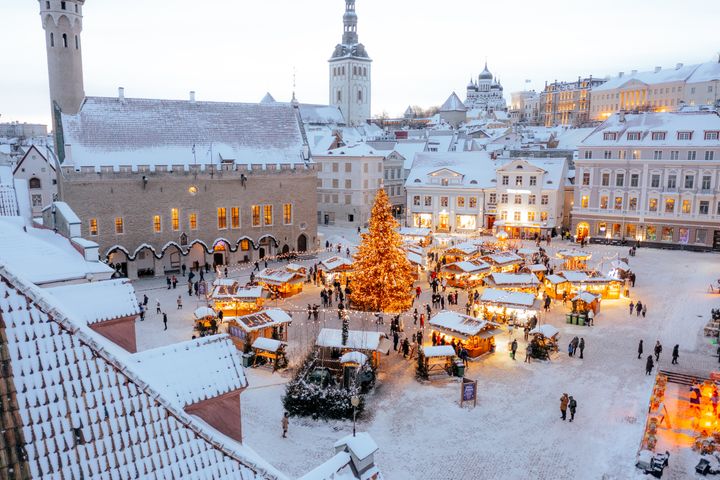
x: 714, y: 135
x: 610, y: 136
x: 684, y: 135
x: 658, y: 135
x: 473, y: 182
x: 444, y: 182
x: 633, y: 136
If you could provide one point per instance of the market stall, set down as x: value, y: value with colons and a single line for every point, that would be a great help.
x: 517, y: 282
x: 503, y: 262
x: 233, y: 300
x: 281, y: 282
x: 555, y: 286
x: 422, y: 236
x: 574, y: 259
x: 269, y: 351
x: 465, y: 274
x: 354, y: 370
x: 439, y: 360
x: 205, y: 321
x: 336, y: 268
x: 619, y: 269
x: 460, y: 252
x: 509, y: 307
x: 585, y: 302
x: 538, y: 269
x: 417, y: 260
x: 476, y: 335
x: 271, y: 323
x: 593, y: 282
x: 331, y: 346
x: 544, y: 342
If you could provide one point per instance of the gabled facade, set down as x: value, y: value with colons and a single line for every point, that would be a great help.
x: 41, y: 176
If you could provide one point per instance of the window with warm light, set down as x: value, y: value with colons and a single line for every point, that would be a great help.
x: 460, y: 202
x: 93, y: 227
x: 157, y: 224
x: 255, y: 210
x: 175, y: 217
x: 503, y: 215
x: 618, y: 203
x: 245, y: 245
x: 287, y: 214
x: 516, y: 216
x: 685, y: 208
x: 268, y: 214
x: 222, y: 218
x: 543, y: 216
x: 193, y: 221
x: 584, y: 201
x: 632, y: 203
x: 119, y: 226
x: 531, y: 216
x: 235, y: 217
x: 473, y: 201
x: 444, y: 201
x: 653, y: 205
x: 604, y: 202
x: 669, y: 205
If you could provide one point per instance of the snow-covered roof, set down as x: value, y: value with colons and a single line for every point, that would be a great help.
x: 669, y: 123
x: 439, y: 351
x: 453, y: 104
x: 468, y: 266
x: 528, y: 251
x: 587, y: 297
x: 512, y: 299
x: 97, y: 301
x: 457, y: 322
x: 574, y: 276
x: 408, y: 149
x: 361, y: 149
x: 476, y: 169
x: 267, y: 344
x: 574, y: 254
x: 321, y: 114
x: 415, y: 258
x: 361, y: 445
x: 336, y: 263
x: 705, y: 72
x: 620, y: 265
x: 264, y: 319
x: 414, y: 231
x: 95, y: 390
x: 555, y: 279
x: 538, y: 267
x: 193, y: 371
x: 357, y: 339
x: 295, y: 267
x: 336, y: 468
x: 501, y: 280
x: 664, y: 75
x: 234, y: 291
x: 203, y: 312
x: 466, y: 248
x: 354, y: 357
x: 114, y: 132
x: 278, y: 276
x: 8, y: 196
x: 44, y: 257
x: 571, y: 138
x: 503, y: 258
x: 546, y: 330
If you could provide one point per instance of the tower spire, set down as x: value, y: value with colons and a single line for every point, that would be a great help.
x: 350, y: 36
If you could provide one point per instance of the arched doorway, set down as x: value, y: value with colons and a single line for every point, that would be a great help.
x: 219, y: 254
x: 196, y: 257
x: 172, y: 259
x: 145, y: 262
x: 285, y: 249
x: 302, y: 243
x: 266, y: 247
x: 118, y: 260
x: 582, y: 230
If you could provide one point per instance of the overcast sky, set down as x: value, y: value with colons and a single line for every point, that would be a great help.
x: 236, y: 50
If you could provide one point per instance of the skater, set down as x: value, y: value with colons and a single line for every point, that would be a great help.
x: 573, y: 406
x: 157, y: 307
x: 513, y: 349
x: 564, y: 400
x: 179, y: 303
x: 632, y: 307
x: 649, y: 365
x: 640, y: 349
x: 285, y: 423
x: 658, y: 351
x: 638, y: 308
x: 675, y: 354
x: 165, y: 320
x: 581, y: 347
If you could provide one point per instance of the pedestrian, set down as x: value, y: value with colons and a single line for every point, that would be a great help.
x: 658, y: 351
x: 168, y: 282
x: 632, y: 307
x: 526, y: 332
x: 575, y: 343
x: 179, y: 303
x: 632, y: 279
x: 396, y: 340
x: 513, y: 349
x: 418, y: 291
x: 644, y: 310
x: 649, y: 365
x: 638, y: 308
x: 142, y: 312
x: 640, y: 349
x: 174, y: 281
x: 257, y: 266
x: 581, y: 346
x: 406, y: 348
x: 573, y: 407
x: 415, y: 317
x: 190, y: 286
x: 220, y: 316
x: 157, y: 307
x: 419, y: 337
x: 564, y: 400
x: 266, y: 263
x: 422, y: 321
x: 165, y: 320
x: 528, y: 352
x: 570, y: 349
x: 184, y: 269
x: 675, y: 354
x: 428, y: 309
x: 145, y: 300
x: 285, y: 423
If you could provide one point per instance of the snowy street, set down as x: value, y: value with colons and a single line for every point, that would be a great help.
x: 515, y: 431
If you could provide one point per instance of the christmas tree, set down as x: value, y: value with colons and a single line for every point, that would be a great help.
x: 383, y: 276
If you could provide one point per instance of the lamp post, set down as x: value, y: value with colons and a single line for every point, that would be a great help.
x: 355, y: 402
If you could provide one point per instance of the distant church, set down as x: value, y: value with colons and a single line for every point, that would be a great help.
x: 350, y: 72
x: 485, y: 93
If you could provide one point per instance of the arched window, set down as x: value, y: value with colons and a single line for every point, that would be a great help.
x: 339, y: 95
x: 364, y: 71
x: 360, y: 96
x: 52, y: 39
x: 34, y: 182
x: 65, y: 44
x: 77, y: 43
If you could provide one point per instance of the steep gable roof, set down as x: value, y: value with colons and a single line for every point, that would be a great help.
x: 32, y: 150
x: 453, y: 104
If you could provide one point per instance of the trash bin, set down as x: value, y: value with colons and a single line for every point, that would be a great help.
x: 582, y: 319
x: 568, y: 318
x: 459, y: 368
x: 247, y: 359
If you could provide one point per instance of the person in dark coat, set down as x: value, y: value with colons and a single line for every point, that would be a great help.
x: 169, y: 282
x: 145, y: 300
x: 638, y: 307
x: 406, y: 348
x: 640, y: 349
x: 581, y: 346
x: 649, y: 365
x: 396, y: 340
x: 513, y: 349
x: 658, y: 351
x: 675, y: 354
x: 632, y: 307
x: 572, y: 405
x: 564, y: 400
x: 165, y: 320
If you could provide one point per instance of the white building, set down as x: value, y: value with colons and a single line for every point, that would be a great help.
x: 653, y: 177
x: 350, y: 72
x: 525, y: 107
x: 467, y: 191
x: 41, y: 177
x: 485, y: 94
x: 348, y: 178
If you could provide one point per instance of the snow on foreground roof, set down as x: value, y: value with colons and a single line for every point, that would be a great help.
x: 110, y: 131
x: 97, y: 301
x: 193, y: 371
x: 71, y: 383
x: 42, y: 256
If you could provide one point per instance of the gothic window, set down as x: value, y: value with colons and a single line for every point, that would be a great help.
x: 52, y: 39
x: 35, y: 183
x: 47, y: 5
x: 339, y: 95
x: 65, y: 44
x: 360, y: 96
x: 77, y: 43
x: 63, y: 5
x: 364, y: 71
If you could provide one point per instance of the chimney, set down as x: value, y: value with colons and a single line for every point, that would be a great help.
x: 657, y: 69
x: 192, y: 96
x: 633, y: 72
x: 621, y: 116
x: 678, y: 66
x: 121, y: 94
x: 620, y: 74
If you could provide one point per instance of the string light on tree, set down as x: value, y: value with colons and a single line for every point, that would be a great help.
x: 383, y: 276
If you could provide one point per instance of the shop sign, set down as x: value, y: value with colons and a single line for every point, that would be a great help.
x: 468, y: 391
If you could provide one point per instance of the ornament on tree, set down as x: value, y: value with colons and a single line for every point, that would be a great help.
x: 383, y: 277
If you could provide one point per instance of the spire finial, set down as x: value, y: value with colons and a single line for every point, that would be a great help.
x: 294, y: 100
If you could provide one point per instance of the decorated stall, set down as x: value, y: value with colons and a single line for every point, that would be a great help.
x: 517, y: 282
x: 619, y: 269
x: 416, y: 259
x: 205, y: 321
x: 574, y: 259
x: 270, y: 351
x: 460, y: 252
x: 593, y: 282
x: 538, y: 269
x: 282, y: 282
x: 332, y: 345
x: 544, y: 341
x: 465, y: 274
x: 503, y: 261
x: 439, y: 360
x: 421, y: 236
x: 476, y: 335
x: 272, y: 323
x: 509, y: 307
x: 233, y: 300
x: 555, y: 286
x: 336, y: 268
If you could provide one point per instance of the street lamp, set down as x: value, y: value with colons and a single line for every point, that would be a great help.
x: 355, y: 402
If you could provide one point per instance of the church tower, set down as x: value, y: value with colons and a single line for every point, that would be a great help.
x: 62, y: 21
x: 350, y: 75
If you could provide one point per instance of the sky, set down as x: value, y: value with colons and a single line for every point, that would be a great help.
x: 422, y: 50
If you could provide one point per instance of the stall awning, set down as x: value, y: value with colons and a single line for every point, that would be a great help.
x: 203, y: 312
x: 267, y: 344
x: 354, y: 357
x: 439, y: 351
x: 489, y: 333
